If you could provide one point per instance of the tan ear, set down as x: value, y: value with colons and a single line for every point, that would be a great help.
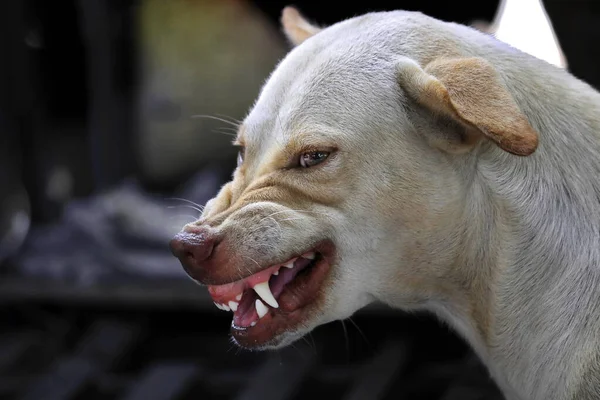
x: 296, y: 27
x: 469, y: 91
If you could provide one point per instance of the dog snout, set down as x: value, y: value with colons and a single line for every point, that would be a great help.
x: 194, y: 247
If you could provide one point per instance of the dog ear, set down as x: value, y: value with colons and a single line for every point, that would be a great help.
x: 296, y: 27
x: 470, y: 92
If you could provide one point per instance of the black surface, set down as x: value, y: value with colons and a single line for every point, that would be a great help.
x: 94, y: 353
x: 106, y: 29
x: 163, y: 381
x: 97, y: 350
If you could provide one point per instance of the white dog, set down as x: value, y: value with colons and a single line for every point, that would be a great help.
x: 393, y: 157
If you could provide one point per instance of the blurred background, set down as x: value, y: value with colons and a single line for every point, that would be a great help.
x: 115, y: 123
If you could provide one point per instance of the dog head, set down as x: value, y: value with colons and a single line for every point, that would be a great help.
x: 347, y: 190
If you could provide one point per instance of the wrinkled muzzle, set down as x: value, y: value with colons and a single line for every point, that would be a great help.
x: 265, y: 262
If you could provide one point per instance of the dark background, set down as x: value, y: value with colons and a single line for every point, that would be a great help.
x: 92, y: 305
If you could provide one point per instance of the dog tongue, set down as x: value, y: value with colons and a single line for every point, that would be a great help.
x: 242, y: 293
x: 286, y: 275
x: 246, y: 313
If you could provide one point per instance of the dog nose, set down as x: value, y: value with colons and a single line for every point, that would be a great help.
x: 193, y: 247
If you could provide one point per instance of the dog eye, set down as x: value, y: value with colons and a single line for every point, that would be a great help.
x: 313, y: 158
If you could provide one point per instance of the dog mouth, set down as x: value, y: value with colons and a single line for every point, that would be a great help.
x: 276, y: 299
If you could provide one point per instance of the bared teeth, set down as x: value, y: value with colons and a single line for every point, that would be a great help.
x: 261, y: 309
x: 264, y: 291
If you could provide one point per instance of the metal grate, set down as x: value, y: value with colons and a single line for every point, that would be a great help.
x: 97, y: 354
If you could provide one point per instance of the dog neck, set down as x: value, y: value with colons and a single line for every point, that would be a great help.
x: 531, y: 247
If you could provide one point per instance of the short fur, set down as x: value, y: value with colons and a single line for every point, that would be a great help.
x: 465, y: 182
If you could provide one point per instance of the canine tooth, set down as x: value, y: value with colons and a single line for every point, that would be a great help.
x: 239, y: 297
x: 233, y: 305
x: 310, y: 255
x: 264, y: 291
x: 261, y: 309
x: 276, y: 273
x: 252, y: 323
x: 290, y: 264
x: 218, y: 305
x: 225, y: 307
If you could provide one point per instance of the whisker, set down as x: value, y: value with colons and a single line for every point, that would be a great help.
x: 254, y: 261
x: 360, y: 331
x: 305, y: 339
x: 237, y: 121
x: 269, y: 246
x: 290, y: 210
x: 240, y: 276
x: 248, y: 270
x: 314, y: 345
x: 224, y: 133
x: 186, y: 206
x: 186, y: 201
x: 216, y: 118
x: 227, y: 129
x: 347, y: 341
x: 295, y: 347
x: 177, y: 225
x: 259, y: 228
x: 279, y: 230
